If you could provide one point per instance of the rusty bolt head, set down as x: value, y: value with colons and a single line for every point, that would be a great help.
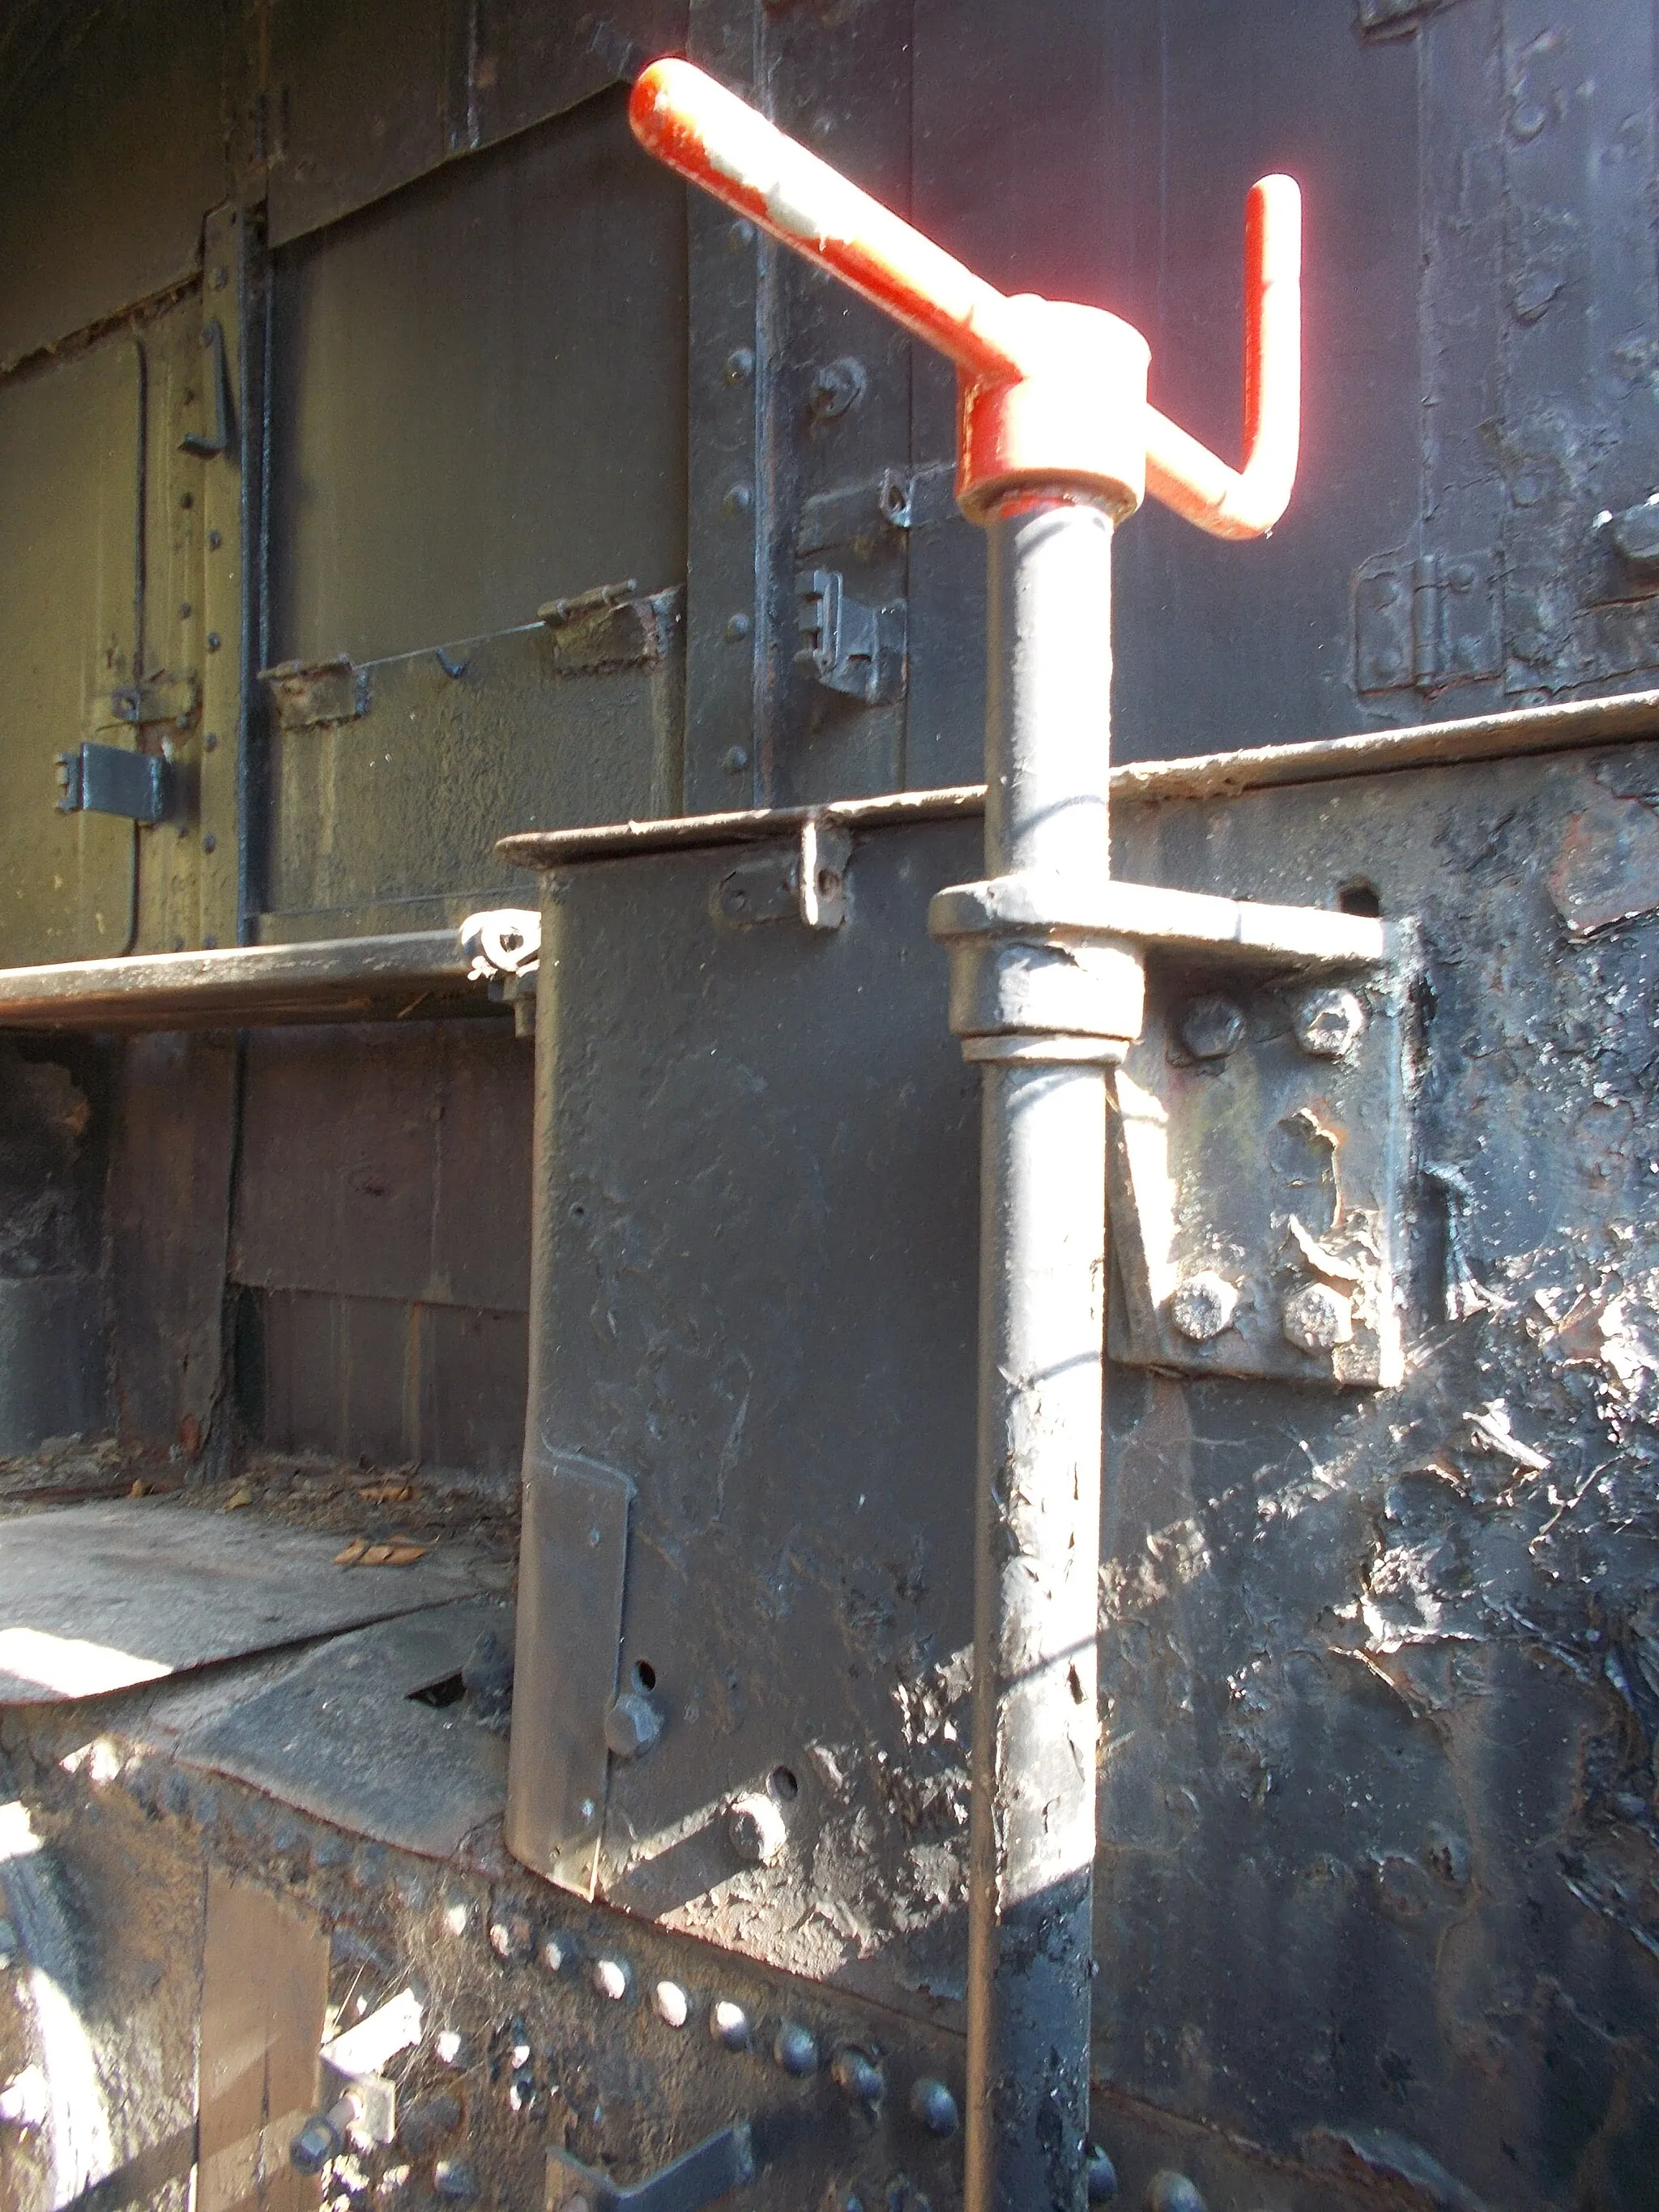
x: 756, y: 1829
x: 318, y: 2141
x: 1203, y: 1306
x: 1318, y: 1318
x: 1210, y: 1027
x: 632, y: 1726
x: 1329, y: 1023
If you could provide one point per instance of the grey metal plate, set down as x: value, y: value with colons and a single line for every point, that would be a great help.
x: 575, y: 1532
x: 343, y: 1735
x: 100, y: 1597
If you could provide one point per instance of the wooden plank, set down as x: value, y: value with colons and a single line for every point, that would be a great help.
x: 265, y: 1988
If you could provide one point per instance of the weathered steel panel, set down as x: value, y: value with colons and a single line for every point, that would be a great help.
x: 71, y: 474
x: 1376, y: 1790
x: 477, y: 397
x: 91, y: 99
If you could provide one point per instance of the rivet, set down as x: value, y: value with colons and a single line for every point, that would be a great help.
x: 611, y: 1978
x: 210, y: 943
x: 186, y: 499
x: 512, y: 1936
x: 553, y: 1951
x: 210, y: 742
x: 728, y: 2024
x: 218, y: 280
x: 857, y: 2078
x: 210, y: 843
x: 673, y: 2005
x: 735, y: 760
x: 741, y: 234
x: 738, y: 500
x: 185, y: 611
x: 585, y: 1811
x: 795, y: 2049
x: 932, y: 2103
x: 1101, y: 2173
x: 1169, y: 2192
x: 215, y: 538
x: 213, y: 641
x: 738, y: 628
x: 1203, y: 1306
x: 739, y: 365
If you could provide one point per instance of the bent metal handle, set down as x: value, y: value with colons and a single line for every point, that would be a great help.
x: 1049, y: 391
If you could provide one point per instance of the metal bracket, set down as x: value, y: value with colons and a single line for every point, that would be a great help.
x: 160, y: 699
x: 575, y: 1555
x: 703, y: 2176
x: 109, y: 780
x: 1257, y: 1184
x: 805, y: 882
x: 1426, y: 622
x: 307, y: 693
x: 849, y: 647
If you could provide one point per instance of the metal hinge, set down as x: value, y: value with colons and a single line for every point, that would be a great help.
x: 1426, y: 622
x: 309, y: 693
x: 107, y: 779
x: 160, y: 699
x: 847, y: 646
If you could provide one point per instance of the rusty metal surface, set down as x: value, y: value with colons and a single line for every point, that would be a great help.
x: 1376, y: 1788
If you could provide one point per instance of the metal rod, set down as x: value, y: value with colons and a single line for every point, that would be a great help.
x: 1042, y: 1274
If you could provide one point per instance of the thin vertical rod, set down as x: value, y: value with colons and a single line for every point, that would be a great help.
x: 1042, y: 1256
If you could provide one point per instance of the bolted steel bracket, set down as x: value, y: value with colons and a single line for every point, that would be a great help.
x: 110, y: 780
x: 846, y: 645
x: 1257, y: 1185
x: 725, y: 2162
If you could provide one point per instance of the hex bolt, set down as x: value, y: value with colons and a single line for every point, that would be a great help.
x: 1101, y: 2173
x: 1203, y: 1306
x: 857, y: 2077
x: 1318, y: 1318
x: 932, y: 2103
x: 1210, y: 1027
x: 756, y: 1829
x: 320, y: 2139
x: 1169, y: 2192
x: 632, y: 1726
x: 611, y: 1978
x: 728, y: 2024
x: 1329, y: 1023
x: 795, y: 2049
x: 673, y: 2005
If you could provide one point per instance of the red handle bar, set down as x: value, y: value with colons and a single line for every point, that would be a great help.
x: 1049, y: 390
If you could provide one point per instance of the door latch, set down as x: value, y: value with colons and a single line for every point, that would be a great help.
x: 107, y: 779
x: 208, y: 445
x: 846, y: 645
